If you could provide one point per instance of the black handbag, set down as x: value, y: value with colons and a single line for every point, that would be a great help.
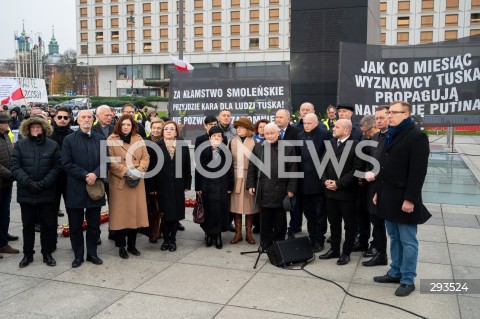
x: 198, y: 211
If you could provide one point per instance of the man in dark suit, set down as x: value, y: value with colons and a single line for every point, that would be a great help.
x: 346, y: 111
x: 209, y: 122
x: 104, y: 124
x: 341, y: 191
x: 289, y: 132
x: 398, y: 197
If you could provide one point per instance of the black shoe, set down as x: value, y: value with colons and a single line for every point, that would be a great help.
x: 134, y: 251
x: 218, y: 241
x: 77, y: 262
x: 37, y: 228
x: 290, y: 235
x: 11, y: 237
x: 209, y: 241
x: 359, y: 247
x: 48, y: 259
x: 317, y: 247
x: 330, y: 254
x: 165, y: 245
x: 387, y: 279
x: 256, y: 230
x: 180, y: 227
x: 231, y: 228
x: 99, y: 242
x: 404, y: 290
x: 122, y: 252
x: 371, y: 252
x: 94, y: 260
x: 27, y: 259
x: 153, y: 241
x: 380, y: 259
x: 60, y: 214
x: 329, y: 239
x: 111, y: 234
x: 172, y: 247
x: 343, y: 260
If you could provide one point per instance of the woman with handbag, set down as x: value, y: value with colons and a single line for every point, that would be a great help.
x: 172, y: 182
x: 127, y: 199
x: 214, y: 189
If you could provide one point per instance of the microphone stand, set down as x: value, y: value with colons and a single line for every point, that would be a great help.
x: 260, y: 249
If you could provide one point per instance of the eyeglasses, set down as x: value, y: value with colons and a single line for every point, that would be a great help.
x: 365, y: 132
x: 394, y: 112
x: 59, y: 117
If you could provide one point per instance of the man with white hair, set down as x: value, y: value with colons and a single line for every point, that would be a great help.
x: 104, y: 124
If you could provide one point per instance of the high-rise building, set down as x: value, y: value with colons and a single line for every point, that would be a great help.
x: 426, y: 21
x: 222, y: 33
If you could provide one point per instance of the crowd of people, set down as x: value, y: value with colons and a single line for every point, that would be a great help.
x: 241, y: 169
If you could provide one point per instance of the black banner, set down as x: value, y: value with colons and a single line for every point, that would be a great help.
x: 437, y: 79
x: 254, y: 92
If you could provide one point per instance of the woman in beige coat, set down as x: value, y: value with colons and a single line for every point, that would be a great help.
x: 127, y: 200
x: 241, y: 202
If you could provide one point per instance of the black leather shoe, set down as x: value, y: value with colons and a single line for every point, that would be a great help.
x: 180, y: 227
x: 317, y: 247
x: 48, y: 259
x: 27, y: 259
x: 165, y: 245
x: 122, y: 252
x: 134, y: 251
x: 343, y: 260
x: 60, y: 214
x: 172, y: 247
x: 329, y: 239
x: 153, y: 241
x: 209, y: 241
x: 330, y: 254
x: 380, y: 259
x: 77, y: 262
x: 404, y: 290
x: 231, y: 228
x: 99, y: 242
x: 359, y: 247
x: 387, y: 279
x: 94, y: 260
x: 11, y: 237
x: 218, y: 241
x: 371, y: 252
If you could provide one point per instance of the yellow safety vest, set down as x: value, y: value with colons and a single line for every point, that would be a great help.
x: 10, y: 134
x: 325, y: 122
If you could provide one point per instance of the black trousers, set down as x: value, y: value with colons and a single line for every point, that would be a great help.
x: 47, y: 217
x: 61, y: 189
x: 315, y: 209
x: 296, y: 218
x: 338, y: 210
x: 274, y: 225
x: 363, y: 217
x: 131, y: 235
x: 379, y: 233
x: 75, y: 219
x: 169, y: 229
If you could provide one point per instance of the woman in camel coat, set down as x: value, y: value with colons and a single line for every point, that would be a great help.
x: 127, y: 204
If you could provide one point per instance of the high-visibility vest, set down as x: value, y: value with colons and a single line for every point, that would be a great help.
x: 10, y: 134
x: 325, y: 122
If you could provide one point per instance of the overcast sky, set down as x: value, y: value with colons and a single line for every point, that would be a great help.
x: 39, y: 16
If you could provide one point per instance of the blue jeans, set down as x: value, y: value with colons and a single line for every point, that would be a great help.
x: 403, y: 251
x: 5, y: 199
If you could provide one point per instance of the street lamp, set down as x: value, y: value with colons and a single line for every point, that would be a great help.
x: 132, y: 21
x: 110, y: 81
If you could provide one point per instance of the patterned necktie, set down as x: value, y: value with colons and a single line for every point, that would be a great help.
x: 282, y: 133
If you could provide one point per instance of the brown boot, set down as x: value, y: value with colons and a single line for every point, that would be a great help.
x: 7, y: 249
x: 237, y: 218
x: 248, y: 227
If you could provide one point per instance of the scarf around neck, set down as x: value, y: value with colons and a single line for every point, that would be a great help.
x: 394, y: 131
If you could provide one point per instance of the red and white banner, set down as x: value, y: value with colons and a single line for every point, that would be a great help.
x: 10, y: 91
x: 19, y: 91
x: 182, y: 65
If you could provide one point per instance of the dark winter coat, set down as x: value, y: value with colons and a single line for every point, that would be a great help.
x: 6, y: 149
x: 170, y: 189
x: 15, y: 122
x: 215, y: 192
x: 59, y: 133
x: 271, y: 191
x: 98, y: 129
x: 80, y: 156
x: 374, y: 152
x: 403, y: 169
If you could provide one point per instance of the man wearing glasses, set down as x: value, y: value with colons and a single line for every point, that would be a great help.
x: 398, y: 196
x: 332, y: 117
x: 130, y: 110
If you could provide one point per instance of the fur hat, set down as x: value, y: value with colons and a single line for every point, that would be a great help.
x: 244, y: 122
x: 25, y: 126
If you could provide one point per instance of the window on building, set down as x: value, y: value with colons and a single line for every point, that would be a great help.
x: 147, y: 34
x: 198, y: 45
x: 98, y: 1
x: 114, y: 23
x: 83, y: 24
x: 254, y: 29
x: 273, y: 43
x: 164, y: 20
x: 198, y: 4
x: 451, y: 34
x: 403, y: 22
x: 383, y: 23
x: 235, y: 44
x: 475, y: 18
x: 198, y: 31
x: 427, y: 5
x: 383, y: 38
x: 216, y: 17
x: 475, y: 5
x: 99, y: 23
x: 216, y: 31
x: 254, y: 43
x: 147, y: 7
x: 452, y: 5
x: 163, y: 6
x: 254, y: 3
x: 254, y: 15
x: 178, y: 45
x: 131, y: 47
x: 84, y: 49
x: 198, y: 17
x: 163, y: 46
x: 164, y: 33
x: 178, y: 5
x: 235, y: 3
x: 216, y: 3
x: 99, y: 36
x: 130, y: 8
x: 402, y: 37
x: 112, y: 1
x: 115, y: 35
x: 234, y: 30
x: 383, y: 7
x: 426, y: 37
x: 114, y: 10
x: 216, y: 45
x: 130, y: 34
x: 83, y: 12
x: 115, y: 48
x: 83, y: 1
x: 99, y: 11
x: 147, y: 21
x: 273, y: 28
x: 427, y: 21
x: 403, y: 6
x: 84, y: 37
x: 234, y: 15
x: 274, y: 2
x: 99, y: 48
x: 147, y: 47
x: 451, y: 20
x: 474, y: 32
x: 274, y: 13
x: 178, y: 32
